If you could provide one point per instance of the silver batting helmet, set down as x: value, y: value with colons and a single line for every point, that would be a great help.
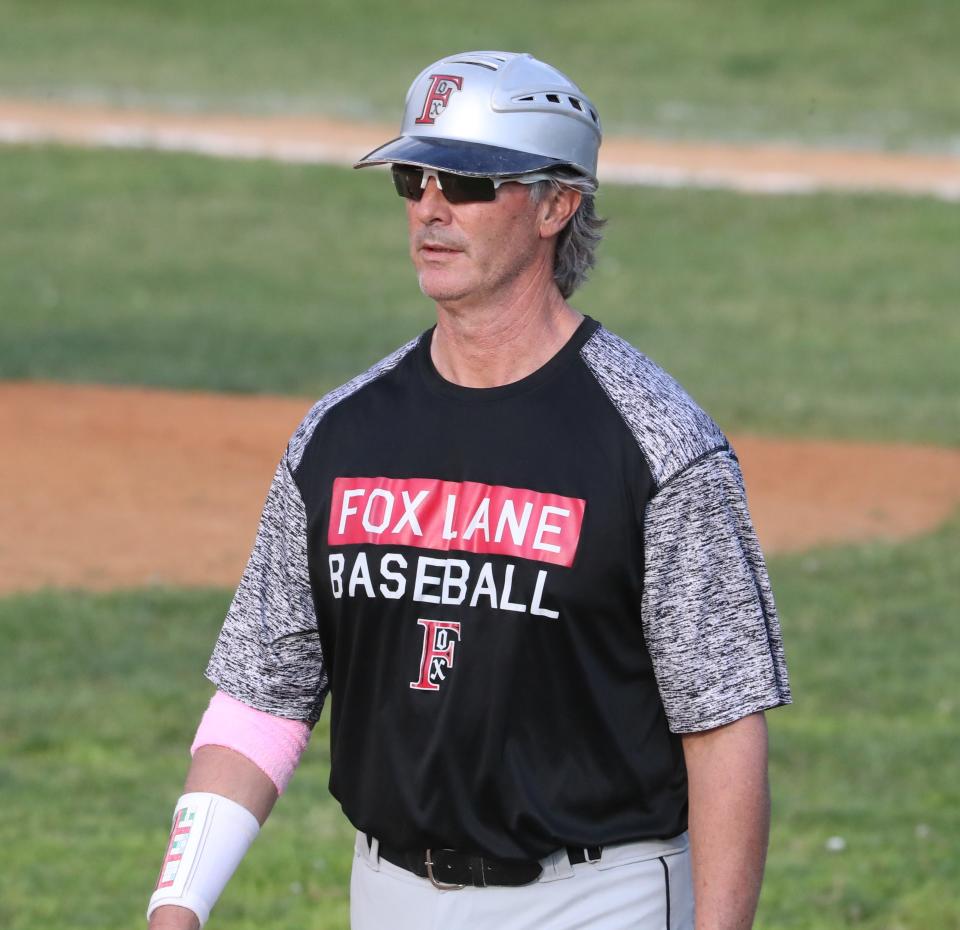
x: 494, y: 114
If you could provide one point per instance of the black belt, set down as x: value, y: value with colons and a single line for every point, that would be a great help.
x: 447, y: 868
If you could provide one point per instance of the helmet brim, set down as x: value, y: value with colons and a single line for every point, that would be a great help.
x: 459, y: 157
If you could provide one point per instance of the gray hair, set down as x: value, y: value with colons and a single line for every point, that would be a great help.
x: 579, y: 239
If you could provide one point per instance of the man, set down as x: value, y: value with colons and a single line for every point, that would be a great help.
x: 520, y: 557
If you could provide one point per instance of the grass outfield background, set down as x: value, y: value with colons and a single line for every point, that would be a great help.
x: 822, y: 316
x: 791, y: 315
x: 875, y: 72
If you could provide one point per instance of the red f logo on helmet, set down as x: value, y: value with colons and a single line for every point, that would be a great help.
x: 438, y: 96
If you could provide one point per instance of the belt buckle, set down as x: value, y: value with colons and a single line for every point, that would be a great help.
x: 442, y: 886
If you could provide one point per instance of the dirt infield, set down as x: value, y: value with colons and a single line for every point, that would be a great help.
x: 116, y: 487
x: 769, y: 169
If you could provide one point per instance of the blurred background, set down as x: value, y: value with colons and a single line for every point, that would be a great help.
x: 187, y: 261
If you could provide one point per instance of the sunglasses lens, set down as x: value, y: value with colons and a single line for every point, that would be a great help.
x: 408, y: 180
x: 457, y: 188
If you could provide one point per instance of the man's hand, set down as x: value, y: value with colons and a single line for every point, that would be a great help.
x: 729, y: 820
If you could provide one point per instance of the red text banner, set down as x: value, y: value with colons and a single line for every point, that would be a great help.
x: 456, y: 515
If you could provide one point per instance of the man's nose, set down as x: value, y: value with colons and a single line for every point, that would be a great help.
x: 432, y: 206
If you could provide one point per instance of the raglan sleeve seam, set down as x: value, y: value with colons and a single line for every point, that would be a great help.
x: 696, y: 460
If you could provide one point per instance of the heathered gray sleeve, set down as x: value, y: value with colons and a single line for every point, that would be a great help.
x: 708, y: 613
x: 268, y: 653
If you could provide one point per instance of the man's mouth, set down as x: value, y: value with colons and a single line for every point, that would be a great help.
x: 437, y: 248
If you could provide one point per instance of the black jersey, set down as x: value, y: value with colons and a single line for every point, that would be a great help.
x: 518, y: 598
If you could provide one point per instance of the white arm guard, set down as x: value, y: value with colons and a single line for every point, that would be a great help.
x: 210, y: 836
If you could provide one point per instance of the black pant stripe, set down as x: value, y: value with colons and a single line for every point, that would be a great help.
x: 666, y: 887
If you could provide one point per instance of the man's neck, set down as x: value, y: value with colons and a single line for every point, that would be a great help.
x: 492, y: 345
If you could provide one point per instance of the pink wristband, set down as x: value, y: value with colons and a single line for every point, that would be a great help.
x: 273, y: 744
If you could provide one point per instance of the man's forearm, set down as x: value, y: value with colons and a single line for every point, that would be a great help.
x: 729, y: 821
x: 231, y: 775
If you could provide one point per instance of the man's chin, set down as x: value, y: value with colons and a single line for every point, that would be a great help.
x: 440, y: 289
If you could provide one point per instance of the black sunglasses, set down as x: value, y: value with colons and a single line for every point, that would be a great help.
x: 411, y: 182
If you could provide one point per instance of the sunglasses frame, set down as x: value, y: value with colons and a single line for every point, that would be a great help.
x: 460, y: 188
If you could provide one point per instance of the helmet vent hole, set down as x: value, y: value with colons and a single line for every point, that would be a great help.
x: 596, y: 118
x: 575, y: 103
x: 526, y: 99
x: 553, y: 98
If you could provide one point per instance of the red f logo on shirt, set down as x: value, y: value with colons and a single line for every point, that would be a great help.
x: 437, y: 657
x: 438, y: 96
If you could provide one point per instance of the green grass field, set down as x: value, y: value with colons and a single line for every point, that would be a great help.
x: 874, y: 72
x: 824, y: 315
x: 100, y: 696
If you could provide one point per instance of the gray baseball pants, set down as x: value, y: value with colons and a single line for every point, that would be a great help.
x: 634, y: 886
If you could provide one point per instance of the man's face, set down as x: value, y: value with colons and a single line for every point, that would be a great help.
x: 474, y: 251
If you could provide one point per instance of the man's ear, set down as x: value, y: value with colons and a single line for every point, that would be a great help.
x: 556, y: 209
